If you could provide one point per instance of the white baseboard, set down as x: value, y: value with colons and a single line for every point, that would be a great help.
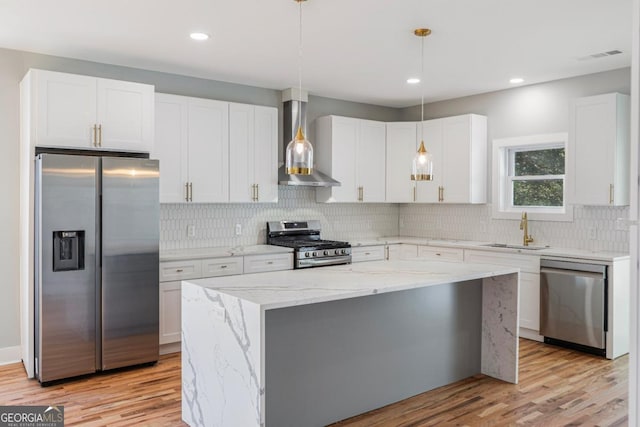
x: 10, y: 355
x: 530, y: 334
x: 173, y: 347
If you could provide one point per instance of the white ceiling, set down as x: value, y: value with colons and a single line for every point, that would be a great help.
x: 359, y: 50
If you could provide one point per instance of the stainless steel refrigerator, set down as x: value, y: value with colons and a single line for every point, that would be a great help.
x: 96, y: 264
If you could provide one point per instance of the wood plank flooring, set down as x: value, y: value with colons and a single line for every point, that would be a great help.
x: 558, y: 387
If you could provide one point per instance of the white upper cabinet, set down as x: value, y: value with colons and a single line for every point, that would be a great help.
x: 464, y: 159
x: 192, y: 145
x: 253, y: 151
x: 75, y: 111
x: 351, y: 151
x: 598, y: 153
x: 458, y: 146
x: 401, y: 147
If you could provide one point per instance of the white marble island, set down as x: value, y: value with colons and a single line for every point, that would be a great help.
x: 310, y: 347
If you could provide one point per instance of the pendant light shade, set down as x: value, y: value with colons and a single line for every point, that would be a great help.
x: 299, y: 153
x: 422, y: 169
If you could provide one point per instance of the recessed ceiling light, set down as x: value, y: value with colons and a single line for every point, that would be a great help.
x: 199, y: 36
x: 413, y: 80
x: 516, y: 80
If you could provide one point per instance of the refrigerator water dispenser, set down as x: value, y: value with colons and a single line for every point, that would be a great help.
x: 68, y: 250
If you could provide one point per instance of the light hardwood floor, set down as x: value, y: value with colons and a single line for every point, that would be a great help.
x: 557, y: 387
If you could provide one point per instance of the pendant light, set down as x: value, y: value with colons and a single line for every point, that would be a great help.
x: 422, y: 162
x: 299, y: 154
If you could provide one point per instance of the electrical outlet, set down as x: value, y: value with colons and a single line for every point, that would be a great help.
x: 191, y: 230
x: 238, y: 229
x: 593, y: 233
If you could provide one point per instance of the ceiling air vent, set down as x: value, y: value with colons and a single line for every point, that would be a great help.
x: 600, y: 55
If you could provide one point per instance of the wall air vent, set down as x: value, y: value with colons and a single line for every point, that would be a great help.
x: 600, y: 55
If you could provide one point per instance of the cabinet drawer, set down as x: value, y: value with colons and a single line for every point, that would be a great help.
x: 526, y: 263
x: 262, y: 263
x: 367, y: 253
x: 402, y: 251
x: 440, y: 253
x: 227, y: 266
x: 180, y: 270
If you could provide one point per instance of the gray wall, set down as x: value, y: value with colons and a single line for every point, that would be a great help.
x: 13, y: 66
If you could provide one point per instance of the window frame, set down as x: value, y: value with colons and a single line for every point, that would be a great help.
x: 502, y: 180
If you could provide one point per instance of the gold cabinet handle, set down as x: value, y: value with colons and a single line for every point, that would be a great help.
x: 257, y: 192
x: 179, y: 270
x: 414, y: 193
x: 441, y: 194
x: 269, y: 262
x: 99, y: 135
x: 94, y: 142
x: 610, y: 194
x: 223, y: 266
x: 190, y: 192
x: 186, y: 191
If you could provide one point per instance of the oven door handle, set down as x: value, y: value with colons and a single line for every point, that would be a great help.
x: 324, y: 261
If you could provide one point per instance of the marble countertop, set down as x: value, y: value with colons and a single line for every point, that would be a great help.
x: 220, y: 252
x: 550, y: 252
x: 307, y: 286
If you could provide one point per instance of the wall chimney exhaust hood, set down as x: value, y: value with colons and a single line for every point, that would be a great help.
x: 295, y: 106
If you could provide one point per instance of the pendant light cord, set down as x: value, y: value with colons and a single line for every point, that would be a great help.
x: 300, y: 68
x: 422, y: 83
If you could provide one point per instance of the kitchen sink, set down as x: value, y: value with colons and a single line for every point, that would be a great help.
x: 506, y: 246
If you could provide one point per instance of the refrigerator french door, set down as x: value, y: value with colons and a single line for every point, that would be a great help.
x: 96, y: 264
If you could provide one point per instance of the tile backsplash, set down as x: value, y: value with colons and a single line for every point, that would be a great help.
x: 215, y: 224
x: 593, y: 228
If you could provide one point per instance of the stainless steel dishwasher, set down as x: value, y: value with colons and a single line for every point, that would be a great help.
x: 573, y: 304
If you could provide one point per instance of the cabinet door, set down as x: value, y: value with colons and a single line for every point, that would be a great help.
x: 530, y: 301
x: 367, y: 253
x: 171, y: 146
x: 65, y: 109
x: 268, y: 262
x: 400, y: 149
x: 344, y: 137
x: 170, y: 312
x: 265, y: 165
x: 242, y: 153
x: 208, y: 135
x: 253, y: 153
x: 455, y: 170
x: 595, y: 149
x: 370, y: 161
x: 428, y: 191
x: 125, y: 114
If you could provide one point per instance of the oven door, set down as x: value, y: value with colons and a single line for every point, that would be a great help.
x: 321, y: 262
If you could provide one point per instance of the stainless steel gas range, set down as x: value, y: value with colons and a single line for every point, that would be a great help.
x: 309, y: 249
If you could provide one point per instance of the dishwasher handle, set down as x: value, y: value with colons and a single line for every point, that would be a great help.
x: 580, y: 273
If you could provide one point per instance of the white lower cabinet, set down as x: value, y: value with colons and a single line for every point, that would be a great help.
x: 173, y: 272
x: 269, y: 262
x: 402, y: 251
x: 368, y: 253
x: 436, y: 253
x: 170, y: 313
x: 529, y: 265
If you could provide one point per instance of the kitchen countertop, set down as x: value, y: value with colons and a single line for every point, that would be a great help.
x: 308, y: 286
x: 551, y: 252
x: 220, y: 252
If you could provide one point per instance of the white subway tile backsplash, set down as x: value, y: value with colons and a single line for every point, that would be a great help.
x: 474, y: 222
x: 215, y: 223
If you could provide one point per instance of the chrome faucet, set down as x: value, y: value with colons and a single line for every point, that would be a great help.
x: 524, y: 225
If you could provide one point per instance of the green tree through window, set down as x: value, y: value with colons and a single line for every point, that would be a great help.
x: 537, y: 177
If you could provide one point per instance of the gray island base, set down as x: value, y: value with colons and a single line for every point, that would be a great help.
x: 311, y: 347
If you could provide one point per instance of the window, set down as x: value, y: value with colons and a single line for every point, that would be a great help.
x: 529, y: 175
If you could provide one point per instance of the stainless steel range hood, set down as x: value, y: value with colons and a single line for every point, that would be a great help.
x: 295, y: 103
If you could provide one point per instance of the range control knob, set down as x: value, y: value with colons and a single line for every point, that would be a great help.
x: 344, y: 251
x: 326, y: 252
x: 307, y: 254
x: 337, y: 252
x: 315, y: 254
